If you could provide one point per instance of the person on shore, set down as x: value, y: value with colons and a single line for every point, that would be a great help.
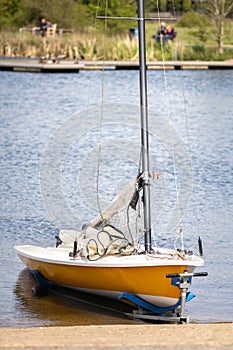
x: 161, y: 32
x: 165, y: 33
x: 41, y: 29
x: 170, y: 33
x: 48, y: 24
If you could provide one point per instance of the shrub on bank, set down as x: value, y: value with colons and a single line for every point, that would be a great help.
x: 85, y: 47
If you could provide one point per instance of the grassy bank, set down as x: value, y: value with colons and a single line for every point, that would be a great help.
x: 190, y: 44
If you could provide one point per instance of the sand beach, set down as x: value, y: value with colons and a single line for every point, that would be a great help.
x: 146, y: 336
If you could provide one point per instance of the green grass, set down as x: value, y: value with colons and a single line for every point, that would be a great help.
x: 191, y: 43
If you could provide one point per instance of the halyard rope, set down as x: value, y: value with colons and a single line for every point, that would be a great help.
x: 101, y: 114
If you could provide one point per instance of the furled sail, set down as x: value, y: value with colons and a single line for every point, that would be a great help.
x: 114, y: 231
x: 119, y: 202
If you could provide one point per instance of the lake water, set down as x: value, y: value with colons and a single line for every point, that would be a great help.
x: 49, y: 151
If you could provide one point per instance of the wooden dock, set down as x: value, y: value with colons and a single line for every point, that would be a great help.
x: 63, y: 66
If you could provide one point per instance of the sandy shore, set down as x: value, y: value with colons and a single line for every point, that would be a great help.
x: 146, y: 336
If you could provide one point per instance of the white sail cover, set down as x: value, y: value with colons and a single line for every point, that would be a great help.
x: 114, y: 231
x: 120, y: 201
x: 69, y: 236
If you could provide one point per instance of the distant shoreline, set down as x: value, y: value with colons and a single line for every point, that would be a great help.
x: 149, y: 336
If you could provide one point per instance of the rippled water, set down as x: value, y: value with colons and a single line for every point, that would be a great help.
x: 49, y: 150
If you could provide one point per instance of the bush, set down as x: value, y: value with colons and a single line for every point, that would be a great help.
x: 200, y: 52
x: 197, y: 24
x: 192, y: 20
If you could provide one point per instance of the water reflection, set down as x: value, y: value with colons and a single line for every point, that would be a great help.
x: 62, y: 307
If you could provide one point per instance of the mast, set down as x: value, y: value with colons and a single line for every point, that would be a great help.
x: 144, y: 125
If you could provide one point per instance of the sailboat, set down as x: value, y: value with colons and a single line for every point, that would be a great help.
x: 106, y: 260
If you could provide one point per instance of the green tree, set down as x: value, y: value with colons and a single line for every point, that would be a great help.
x: 8, y: 13
x: 115, y: 8
x: 218, y: 10
x: 172, y: 6
x: 76, y: 14
x: 63, y: 12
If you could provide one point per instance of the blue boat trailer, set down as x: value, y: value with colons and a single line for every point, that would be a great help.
x: 174, y: 313
x: 144, y: 310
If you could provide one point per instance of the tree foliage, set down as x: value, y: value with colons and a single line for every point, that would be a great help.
x: 218, y: 10
x: 172, y: 6
x: 80, y: 14
x: 8, y: 12
x: 76, y: 14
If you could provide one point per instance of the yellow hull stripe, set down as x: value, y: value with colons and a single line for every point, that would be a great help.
x: 149, y: 280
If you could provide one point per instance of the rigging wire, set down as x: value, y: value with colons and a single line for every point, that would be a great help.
x: 101, y: 115
x: 93, y: 62
x: 187, y: 130
x: 101, y: 133
x: 168, y: 113
x: 90, y: 82
x: 189, y: 154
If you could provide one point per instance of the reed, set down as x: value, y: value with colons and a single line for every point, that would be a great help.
x: 117, y: 48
